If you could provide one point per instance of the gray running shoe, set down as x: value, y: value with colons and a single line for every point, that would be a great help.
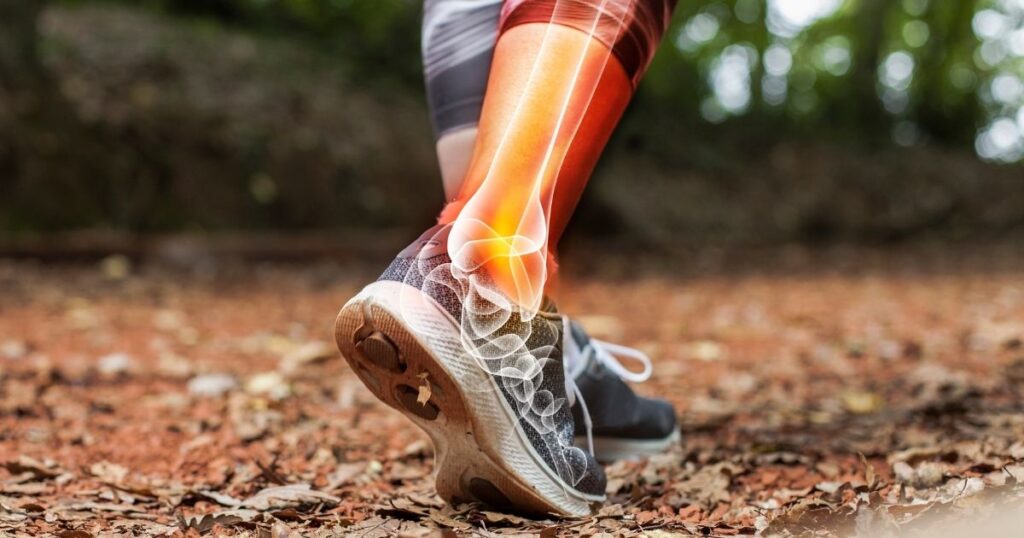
x: 623, y: 425
x: 485, y: 382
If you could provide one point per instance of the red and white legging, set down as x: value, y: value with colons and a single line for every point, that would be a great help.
x: 459, y: 38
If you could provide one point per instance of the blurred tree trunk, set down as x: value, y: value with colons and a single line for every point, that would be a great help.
x: 21, y: 83
x: 867, y: 107
x: 942, y: 112
x: 48, y: 155
x: 20, y: 69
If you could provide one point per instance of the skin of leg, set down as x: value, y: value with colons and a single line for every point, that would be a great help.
x: 554, y: 97
x: 454, y: 151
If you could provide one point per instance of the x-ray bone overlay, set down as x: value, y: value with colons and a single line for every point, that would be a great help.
x: 498, y: 244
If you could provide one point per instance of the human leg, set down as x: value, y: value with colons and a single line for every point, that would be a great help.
x: 562, y: 73
x: 484, y: 376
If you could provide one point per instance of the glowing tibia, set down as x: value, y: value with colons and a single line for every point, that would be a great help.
x: 503, y: 229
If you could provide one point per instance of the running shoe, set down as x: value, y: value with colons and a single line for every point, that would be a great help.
x: 484, y: 380
x: 623, y: 425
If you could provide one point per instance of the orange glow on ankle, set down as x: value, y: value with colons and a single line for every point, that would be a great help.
x: 553, y: 98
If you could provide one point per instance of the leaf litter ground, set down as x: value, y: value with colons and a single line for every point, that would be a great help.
x: 841, y: 392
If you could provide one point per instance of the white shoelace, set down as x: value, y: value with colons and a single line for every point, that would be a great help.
x: 609, y: 355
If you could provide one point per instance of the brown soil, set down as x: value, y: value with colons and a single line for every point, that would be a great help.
x: 826, y: 392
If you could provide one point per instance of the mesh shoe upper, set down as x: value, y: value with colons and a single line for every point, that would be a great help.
x: 615, y: 410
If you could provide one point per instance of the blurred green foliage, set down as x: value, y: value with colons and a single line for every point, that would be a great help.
x: 870, y: 71
x: 758, y: 120
x: 378, y: 39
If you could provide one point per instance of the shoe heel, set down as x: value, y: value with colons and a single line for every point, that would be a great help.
x: 474, y: 453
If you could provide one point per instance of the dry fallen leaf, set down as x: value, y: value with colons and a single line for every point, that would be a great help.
x: 709, y: 485
x: 115, y: 363
x: 111, y: 473
x: 308, y: 353
x: 345, y: 473
x: 212, y: 385
x: 13, y: 349
x: 73, y: 534
x: 446, y: 521
x: 869, y: 472
x: 706, y: 350
x: 271, y: 384
x: 205, y: 523
x: 25, y: 464
x: 220, y: 498
x: 862, y: 403
x: 290, y: 496
x: 502, y: 518
x: 423, y: 395
x: 645, y: 518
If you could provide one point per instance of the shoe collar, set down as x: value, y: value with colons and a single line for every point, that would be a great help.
x: 433, y: 242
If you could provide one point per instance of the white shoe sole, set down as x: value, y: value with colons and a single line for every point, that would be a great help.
x: 608, y: 449
x: 397, y: 339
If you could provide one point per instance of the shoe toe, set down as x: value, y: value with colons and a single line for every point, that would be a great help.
x: 662, y: 415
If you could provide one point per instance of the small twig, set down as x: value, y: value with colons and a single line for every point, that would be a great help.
x: 268, y: 472
x: 1007, y: 471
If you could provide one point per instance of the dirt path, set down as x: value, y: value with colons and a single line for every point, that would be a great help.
x: 854, y: 392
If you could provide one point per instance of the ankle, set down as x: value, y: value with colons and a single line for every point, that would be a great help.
x: 513, y: 265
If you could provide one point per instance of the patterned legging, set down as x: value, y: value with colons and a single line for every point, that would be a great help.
x: 459, y: 38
